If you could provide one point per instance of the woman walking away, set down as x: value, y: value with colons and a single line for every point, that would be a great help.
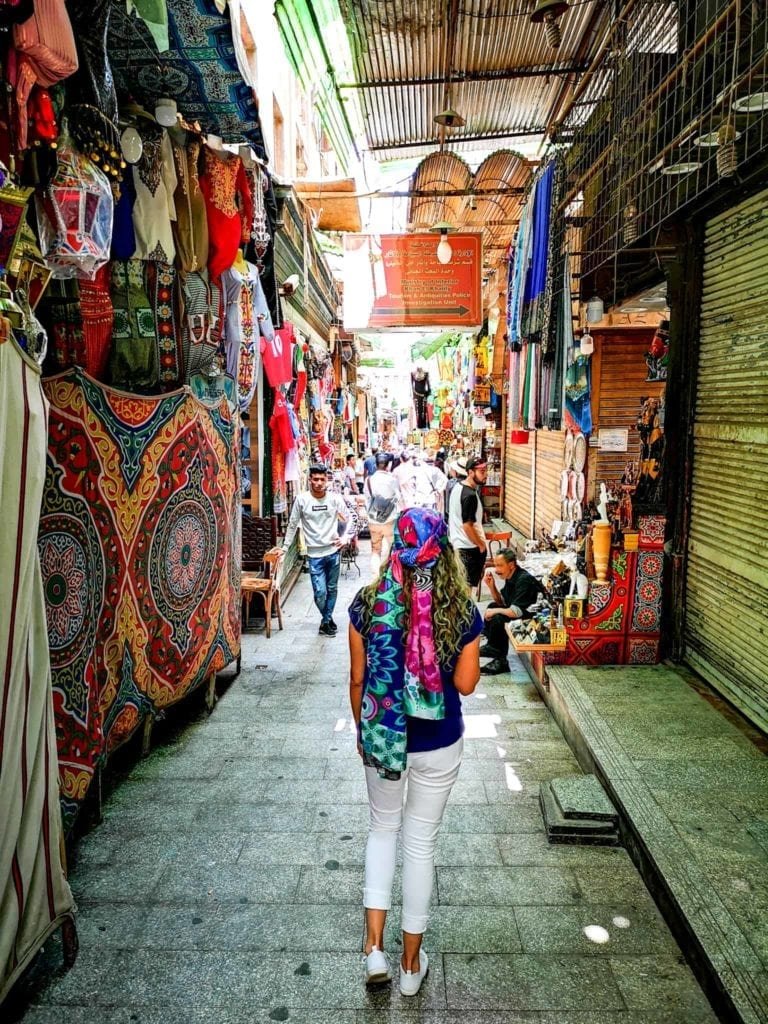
x: 414, y: 647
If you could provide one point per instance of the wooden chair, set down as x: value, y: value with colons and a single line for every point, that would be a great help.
x: 265, y: 584
x: 503, y: 539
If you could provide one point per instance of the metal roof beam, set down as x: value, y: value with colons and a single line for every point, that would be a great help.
x: 525, y: 133
x: 492, y: 75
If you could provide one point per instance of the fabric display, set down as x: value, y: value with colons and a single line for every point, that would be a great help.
x: 421, y: 391
x: 98, y: 316
x: 190, y: 224
x: 154, y: 179
x: 133, y: 362
x: 277, y: 355
x: 139, y: 569
x: 34, y: 895
x: 228, y: 206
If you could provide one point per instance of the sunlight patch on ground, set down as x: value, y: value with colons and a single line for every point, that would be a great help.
x: 481, y: 727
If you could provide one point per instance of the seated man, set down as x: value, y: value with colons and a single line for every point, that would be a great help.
x: 518, y: 591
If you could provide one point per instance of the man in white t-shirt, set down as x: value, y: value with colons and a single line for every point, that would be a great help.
x: 382, y: 499
x: 319, y: 514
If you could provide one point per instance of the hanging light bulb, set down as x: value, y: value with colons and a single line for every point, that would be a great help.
x: 726, y: 158
x: 444, y: 250
x: 587, y: 344
x: 548, y: 11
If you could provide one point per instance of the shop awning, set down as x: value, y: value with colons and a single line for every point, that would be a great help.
x: 334, y: 202
x: 199, y: 70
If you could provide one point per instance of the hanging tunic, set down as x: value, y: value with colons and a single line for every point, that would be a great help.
x: 98, y: 320
x: 198, y: 346
x: 190, y: 229
x: 34, y: 895
x: 229, y: 209
x: 155, y: 179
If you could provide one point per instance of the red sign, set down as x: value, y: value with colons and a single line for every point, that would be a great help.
x: 398, y: 281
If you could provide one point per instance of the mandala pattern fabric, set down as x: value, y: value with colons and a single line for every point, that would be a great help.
x: 140, y: 561
x: 34, y: 895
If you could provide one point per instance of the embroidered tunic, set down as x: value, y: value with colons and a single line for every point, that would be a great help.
x: 155, y: 179
x: 229, y: 209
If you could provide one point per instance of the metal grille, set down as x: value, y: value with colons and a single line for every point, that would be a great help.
x: 666, y: 118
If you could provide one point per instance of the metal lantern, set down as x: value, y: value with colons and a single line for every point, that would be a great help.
x: 549, y: 11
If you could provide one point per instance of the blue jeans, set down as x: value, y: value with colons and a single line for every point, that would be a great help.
x: 324, y: 573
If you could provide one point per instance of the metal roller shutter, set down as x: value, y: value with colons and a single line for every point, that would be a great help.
x: 726, y: 631
x: 517, y: 485
x: 549, y: 468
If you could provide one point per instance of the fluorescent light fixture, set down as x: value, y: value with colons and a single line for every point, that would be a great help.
x: 753, y: 103
x: 684, y: 167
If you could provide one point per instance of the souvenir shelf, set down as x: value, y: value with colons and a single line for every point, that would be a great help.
x: 558, y: 642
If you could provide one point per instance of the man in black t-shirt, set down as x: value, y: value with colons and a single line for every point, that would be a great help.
x: 518, y: 592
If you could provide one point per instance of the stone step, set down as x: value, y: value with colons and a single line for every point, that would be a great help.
x: 581, y: 831
x: 583, y: 797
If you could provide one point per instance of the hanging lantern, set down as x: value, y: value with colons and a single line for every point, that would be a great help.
x: 631, y: 230
x: 595, y: 310
x: 726, y: 157
x: 549, y: 11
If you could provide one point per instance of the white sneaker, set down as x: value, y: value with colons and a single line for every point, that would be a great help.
x: 410, y: 981
x: 377, y: 970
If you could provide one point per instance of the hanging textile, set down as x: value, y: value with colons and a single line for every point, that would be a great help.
x: 140, y: 569
x: 160, y: 281
x: 578, y: 383
x: 34, y: 895
x: 154, y: 14
x: 199, y: 66
x: 536, y: 280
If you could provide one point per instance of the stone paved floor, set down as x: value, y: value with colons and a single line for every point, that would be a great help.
x: 224, y: 883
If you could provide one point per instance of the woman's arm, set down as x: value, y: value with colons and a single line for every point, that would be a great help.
x: 467, y: 672
x: 356, y: 676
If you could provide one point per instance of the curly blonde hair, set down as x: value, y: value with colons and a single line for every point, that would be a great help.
x: 452, y: 604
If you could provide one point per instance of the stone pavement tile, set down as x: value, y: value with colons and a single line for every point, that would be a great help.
x: 346, y: 848
x: 338, y: 885
x: 522, y: 982
x: 312, y: 791
x: 175, y: 1014
x: 132, y: 883
x: 505, y: 886
x: 461, y: 850
x: 274, y: 769
x: 321, y: 746
x: 327, y: 980
x: 534, y: 848
x: 622, y: 884
x: 173, y: 978
x: 280, y: 848
x: 242, y: 927
x: 544, y: 730
x: 524, y: 816
x: 151, y: 817
x: 468, y: 791
x: 341, y: 818
x: 462, y: 930
x: 658, y: 983
x: 250, y: 813
x: 271, y: 884
x: 148, y: 792
x: 615, y: 930
x: 526, y: 1017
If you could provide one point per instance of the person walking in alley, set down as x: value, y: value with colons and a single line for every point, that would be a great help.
x: 382, y: 501
x: 465, y: 517
x: 414, y: 648
x: 319, y: 514
x: 519, y: 590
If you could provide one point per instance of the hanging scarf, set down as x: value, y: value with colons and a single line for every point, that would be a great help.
x: 390, y: 695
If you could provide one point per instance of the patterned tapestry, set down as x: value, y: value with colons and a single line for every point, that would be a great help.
x: 140, y: 561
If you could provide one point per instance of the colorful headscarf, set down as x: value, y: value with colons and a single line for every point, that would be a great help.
x: 391, y: 694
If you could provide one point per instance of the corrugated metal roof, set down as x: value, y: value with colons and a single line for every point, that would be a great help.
x: 401, y: 41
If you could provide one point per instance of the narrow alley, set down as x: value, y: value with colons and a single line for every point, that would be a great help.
x: 224, y: 883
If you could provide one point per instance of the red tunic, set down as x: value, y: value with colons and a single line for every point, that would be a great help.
x: 228, y: 208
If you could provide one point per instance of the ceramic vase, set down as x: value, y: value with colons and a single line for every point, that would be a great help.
x: 601, y: 546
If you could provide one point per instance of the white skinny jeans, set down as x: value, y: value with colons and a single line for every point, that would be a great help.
x: 430, y: 777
